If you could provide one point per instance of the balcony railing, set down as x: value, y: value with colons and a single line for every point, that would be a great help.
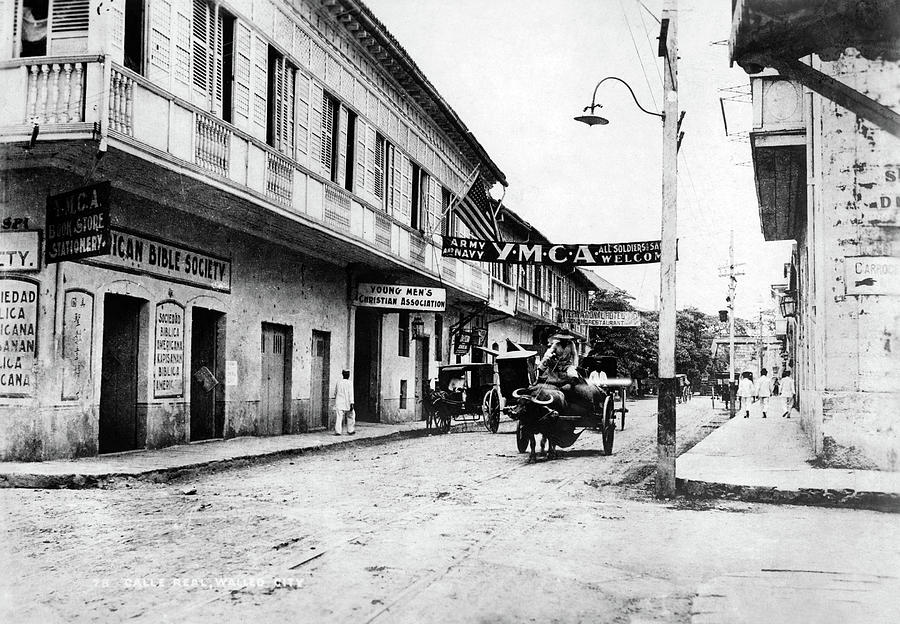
x: 71, y: 96
x: 54, y: 92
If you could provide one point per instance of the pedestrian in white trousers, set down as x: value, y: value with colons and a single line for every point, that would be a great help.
x: 343, y: 405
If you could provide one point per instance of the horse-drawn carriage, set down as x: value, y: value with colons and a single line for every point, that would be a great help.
x: 464, y: 393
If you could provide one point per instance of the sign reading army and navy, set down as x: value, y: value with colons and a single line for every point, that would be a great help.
x: 602, y: 254
x: 78, y: 224
x: 420, y: 298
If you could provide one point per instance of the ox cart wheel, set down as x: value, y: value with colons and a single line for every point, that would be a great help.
x: 490, y: 410
x: 609, y: 426
x: 521, y: 439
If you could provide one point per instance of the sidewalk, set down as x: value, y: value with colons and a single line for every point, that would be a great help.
x: 183, y: 459
x: 766, y: 460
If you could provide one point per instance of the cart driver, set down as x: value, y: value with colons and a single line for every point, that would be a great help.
x: 558, y: 366
x: 457, y: 386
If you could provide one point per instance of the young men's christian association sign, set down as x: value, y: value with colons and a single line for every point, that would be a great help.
x: 392, y: 296
x: 602, y: 254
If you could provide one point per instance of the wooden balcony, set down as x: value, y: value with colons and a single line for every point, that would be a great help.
x: 86, y: 97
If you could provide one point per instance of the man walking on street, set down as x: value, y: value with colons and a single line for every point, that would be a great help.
x: 787, y: 393
x: 343, y: 405
x: 764, y: 391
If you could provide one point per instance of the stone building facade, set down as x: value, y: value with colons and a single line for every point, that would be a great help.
x: 250, y: 164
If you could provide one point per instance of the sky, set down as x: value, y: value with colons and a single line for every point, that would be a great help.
x: 518, y: 71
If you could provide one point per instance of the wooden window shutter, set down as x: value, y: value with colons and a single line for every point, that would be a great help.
x: 302, y: 115
x: 433, y: 218
x: 342, y: 145
x: 405, y: 187
x: 242, y: 64
x: 326, y: 154
x: 288, y: 108
x: 181, y: 50
x: 378, y: 166
x: 160, y: 66
x: 202, y: 46
x: 316, y: 124
x: 260, y: 82
x: 68, y: 27
x: 361, y: 138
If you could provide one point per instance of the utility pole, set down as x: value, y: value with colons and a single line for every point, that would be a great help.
x: 731, y: 274
x: 665, y: 423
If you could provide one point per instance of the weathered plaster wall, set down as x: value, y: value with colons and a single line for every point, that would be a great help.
x: 858, y: 187
x: 269, y: 285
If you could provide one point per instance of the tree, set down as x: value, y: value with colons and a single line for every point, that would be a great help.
x: 637, y: 348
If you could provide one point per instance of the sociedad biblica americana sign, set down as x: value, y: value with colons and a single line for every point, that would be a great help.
x: 420, y: 298
x: 600, y: 318
x: 601, y: 254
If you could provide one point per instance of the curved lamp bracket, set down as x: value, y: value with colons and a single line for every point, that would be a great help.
x: 594, y: 104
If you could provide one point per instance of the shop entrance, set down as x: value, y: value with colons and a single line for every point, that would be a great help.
x: 118, y: 428
x: 207, y: 351
x: 274, y: 399
x: 421, y: 386
x: 367, y: 364
x: 319, y: 378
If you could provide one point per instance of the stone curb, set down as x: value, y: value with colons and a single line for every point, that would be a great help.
x: 76, y: 481
x: 817, y: 497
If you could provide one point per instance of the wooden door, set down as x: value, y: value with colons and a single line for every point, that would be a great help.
x: 367, y: 365
x: 207, y: 351
x: 118, y: 427
x: 421, y: 373
x: 319, y: 378
x: 273, y: 392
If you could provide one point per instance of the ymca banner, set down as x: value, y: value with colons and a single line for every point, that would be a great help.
x: 602, y: 254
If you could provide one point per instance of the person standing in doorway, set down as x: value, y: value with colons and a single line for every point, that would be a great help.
x: 764, y: 391
x: 343, y: 405
x: 745, y: 393
x: 787, y: 393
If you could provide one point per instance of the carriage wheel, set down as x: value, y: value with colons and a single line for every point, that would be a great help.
x: 609, y: 433
x: 490, y: 410
x: 521, y: 439
x: 624, y: 409
x: 443, y: 419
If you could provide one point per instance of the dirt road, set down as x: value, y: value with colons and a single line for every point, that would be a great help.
x: 454, y: 528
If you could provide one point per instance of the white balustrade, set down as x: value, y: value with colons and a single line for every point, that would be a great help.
x: 121, y: 103
x: 212, y: 145
x: 279, y: 178
x: 54, y: 93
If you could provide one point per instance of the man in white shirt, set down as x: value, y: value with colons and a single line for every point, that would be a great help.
x: 787, y: 393
x: 343, y: 405
x: 764, y: 391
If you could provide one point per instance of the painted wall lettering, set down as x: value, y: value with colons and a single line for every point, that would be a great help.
x: 168, y: 359
x: 78, y: 332
x: 18, y: 337
x: 19, y: 251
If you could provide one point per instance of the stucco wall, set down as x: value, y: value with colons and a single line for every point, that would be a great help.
x: 857, y: 189
x: 269, y: 284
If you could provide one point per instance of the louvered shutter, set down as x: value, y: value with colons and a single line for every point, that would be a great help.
x: 327, y: 154
x: 202, y: 44
x: 68, y: 27
x: 302, y: 116
x: 242, y: 64
x: 378, y: 165
x: 316, y: 146
x: 159, y: 69
x: 404, y: 180
x: 260, y: 86
x: 434, y: 206
x: 342, y: 146
x: 115, y: 22
x: 182, y: 26
x: 217, y: 66
x: 361, y: 187
x: 287, y: 106
x: 275, y: 110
